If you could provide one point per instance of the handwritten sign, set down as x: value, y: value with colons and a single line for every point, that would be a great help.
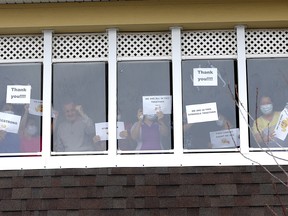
x: 201, y: 113
x: 281, y: 129
x: 18, y: 94
x: 205, y: 77
x: 101, y: 130
x: 154, y: 104
x: 36, y: 108
x: 120, y: 128
x: 225, y: 138
x: 9, y: 122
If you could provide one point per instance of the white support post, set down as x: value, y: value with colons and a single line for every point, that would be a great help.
x: 242, y: 90
x: 177, y: 90
x: 112, y: 92
x: 47, y: 94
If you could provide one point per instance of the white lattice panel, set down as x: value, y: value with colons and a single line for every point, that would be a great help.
x: 264, y: 42
x: 80, y: 46
x: 21, y: 47
x: 209, y: 43
x: 144, y: 45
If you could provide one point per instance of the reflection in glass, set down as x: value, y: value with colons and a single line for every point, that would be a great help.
x: 27, y: 137
x: 208, y: 107
x: 147, y: 125
x: 79, y: 96
x: 267, y: 88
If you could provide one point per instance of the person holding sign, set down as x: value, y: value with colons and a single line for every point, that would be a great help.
x: 100, y: 145
x: 149, y: 130
x: 29, y: 133
x: 9, y: 142
x: 123, y: 136
x: 75, y: 132
x: 197, y: 135
x: 263, y: 127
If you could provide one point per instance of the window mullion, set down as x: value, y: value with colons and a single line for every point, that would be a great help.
x: 112, y: 91
x: 177, y: 86
x: 47, y: 94
x: 242, y: 90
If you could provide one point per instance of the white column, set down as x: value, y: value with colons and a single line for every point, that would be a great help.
x: 112, y: 92
x: 242, y: 90
x: 177, y: 90
x: 47, y: 94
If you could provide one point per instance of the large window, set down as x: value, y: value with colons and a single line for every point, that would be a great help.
x: 267, y: 85
x: 21, y: 109
x: 79, y: 101
x: 209, y: 111
x: 145, y: 105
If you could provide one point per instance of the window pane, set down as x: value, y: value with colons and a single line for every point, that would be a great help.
x: 147, y: 128
x: 27, y: 138
x: 79, y: 96
x: 267, y: 88
x: 208, y: 108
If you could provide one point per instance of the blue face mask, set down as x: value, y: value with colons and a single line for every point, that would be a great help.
x: 266, y: 109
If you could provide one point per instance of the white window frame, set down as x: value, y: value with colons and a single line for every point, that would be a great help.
x: 178, y: 156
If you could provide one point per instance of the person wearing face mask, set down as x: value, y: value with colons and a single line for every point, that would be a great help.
x: 196, y: 135
x: 9, y: 142
x: 149, y: 130
x: 263, y: 127
x: 29, y: 133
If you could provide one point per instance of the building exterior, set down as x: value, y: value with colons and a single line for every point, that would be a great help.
x: 188, y: 78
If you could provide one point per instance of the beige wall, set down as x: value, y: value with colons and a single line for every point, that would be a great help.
x: 142, y: 15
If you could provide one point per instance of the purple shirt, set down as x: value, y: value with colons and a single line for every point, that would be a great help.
x: 150, y: 138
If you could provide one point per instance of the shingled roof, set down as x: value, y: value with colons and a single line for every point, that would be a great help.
x: 143, y: 191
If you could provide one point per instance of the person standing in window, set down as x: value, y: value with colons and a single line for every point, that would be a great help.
x: 29, y: 133
x: 196, y: 135
x: 149, y: 130
x: 9, y: 142
x: 263, y: 127
x: 76, y: 131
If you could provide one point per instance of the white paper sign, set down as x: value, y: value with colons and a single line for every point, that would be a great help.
x: 36, y: 108
x: 18, y: 94
x: 153, y: 104
x: 9, y: 122
x: 205, y: 76
x: 225, y: 138
x: 120, y: 128
x: 201, y: 113
x: 281, y: 129
x: 101, y: 130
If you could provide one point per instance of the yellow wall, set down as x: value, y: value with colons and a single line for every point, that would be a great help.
x: 142, y: 15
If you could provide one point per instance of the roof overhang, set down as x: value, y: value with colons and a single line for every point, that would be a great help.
x: 45, y: 1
